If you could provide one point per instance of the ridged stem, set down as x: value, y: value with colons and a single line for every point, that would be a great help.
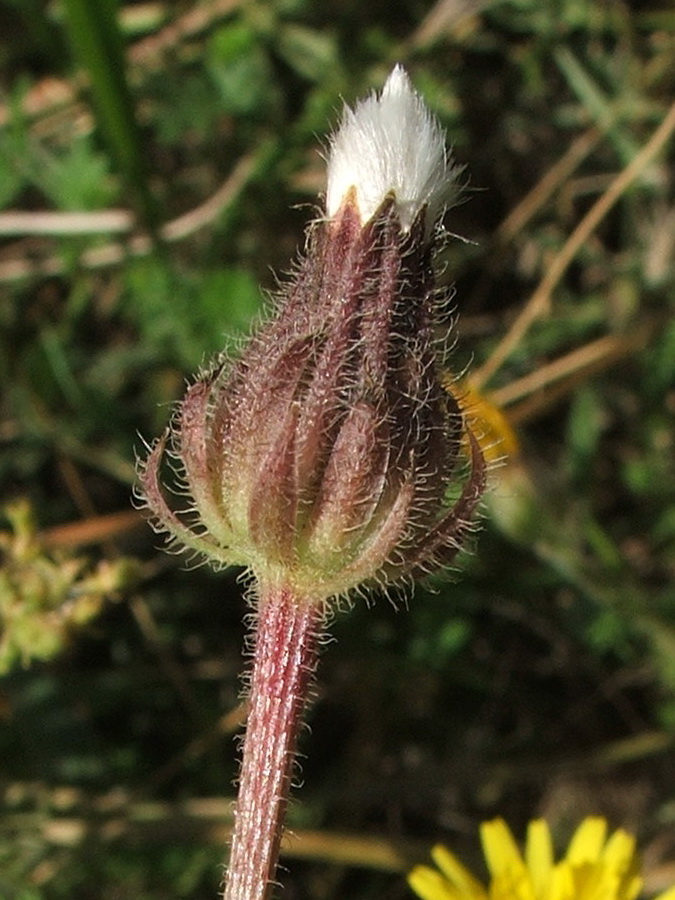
x: 287, y: 634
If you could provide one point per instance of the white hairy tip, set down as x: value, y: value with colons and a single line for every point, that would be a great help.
x: 391, y: 143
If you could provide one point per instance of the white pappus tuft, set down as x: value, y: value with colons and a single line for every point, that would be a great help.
x: 391, y: 143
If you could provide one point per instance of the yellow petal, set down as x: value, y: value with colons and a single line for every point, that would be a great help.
x: 587, y: 842
x: 619, y: 855
x: 620, y: 850
x: 562, y: 883
x: 457, y: 873
x: 539, y: 856
x: 667, y: 895
x: 593, y: 881
x: 499, y: 846
x: 512, y: 884
x: 495, y: 435
x: 429, y: 884
x: 594, y: 868
x: 633, y: 887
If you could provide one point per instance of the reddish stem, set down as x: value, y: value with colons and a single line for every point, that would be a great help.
x: 287, y: 636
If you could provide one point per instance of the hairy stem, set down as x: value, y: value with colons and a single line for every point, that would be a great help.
x: 287, y: 635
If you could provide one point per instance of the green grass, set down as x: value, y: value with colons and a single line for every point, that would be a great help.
x: 543, y: 680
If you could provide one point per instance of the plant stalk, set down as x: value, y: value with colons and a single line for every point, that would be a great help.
x: 288, y: 630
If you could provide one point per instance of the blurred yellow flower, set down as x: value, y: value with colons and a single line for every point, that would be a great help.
x: 595, y: 867
x: 496, y: 436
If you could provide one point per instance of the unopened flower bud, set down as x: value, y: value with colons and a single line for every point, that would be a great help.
x: 328, y: 456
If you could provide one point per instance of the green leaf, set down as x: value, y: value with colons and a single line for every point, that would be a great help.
x: 14, y: 144
x: 189, y: 318
x: 584, y: 428
x: 97, y: 43
x: 240, y: 70
x: 77, y: 178
x: 599, y: 107
x: 309, y: 53
x: 230, y: 298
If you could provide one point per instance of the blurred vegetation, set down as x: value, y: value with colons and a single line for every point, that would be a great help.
x: 144, y: 212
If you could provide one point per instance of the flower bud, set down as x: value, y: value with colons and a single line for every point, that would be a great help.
x: 328, y: 456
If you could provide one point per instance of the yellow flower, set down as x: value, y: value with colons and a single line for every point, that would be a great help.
x: 495, y: 434
x: 595, y: 867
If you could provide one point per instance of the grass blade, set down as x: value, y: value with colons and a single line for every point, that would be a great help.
x: 99, y: 47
